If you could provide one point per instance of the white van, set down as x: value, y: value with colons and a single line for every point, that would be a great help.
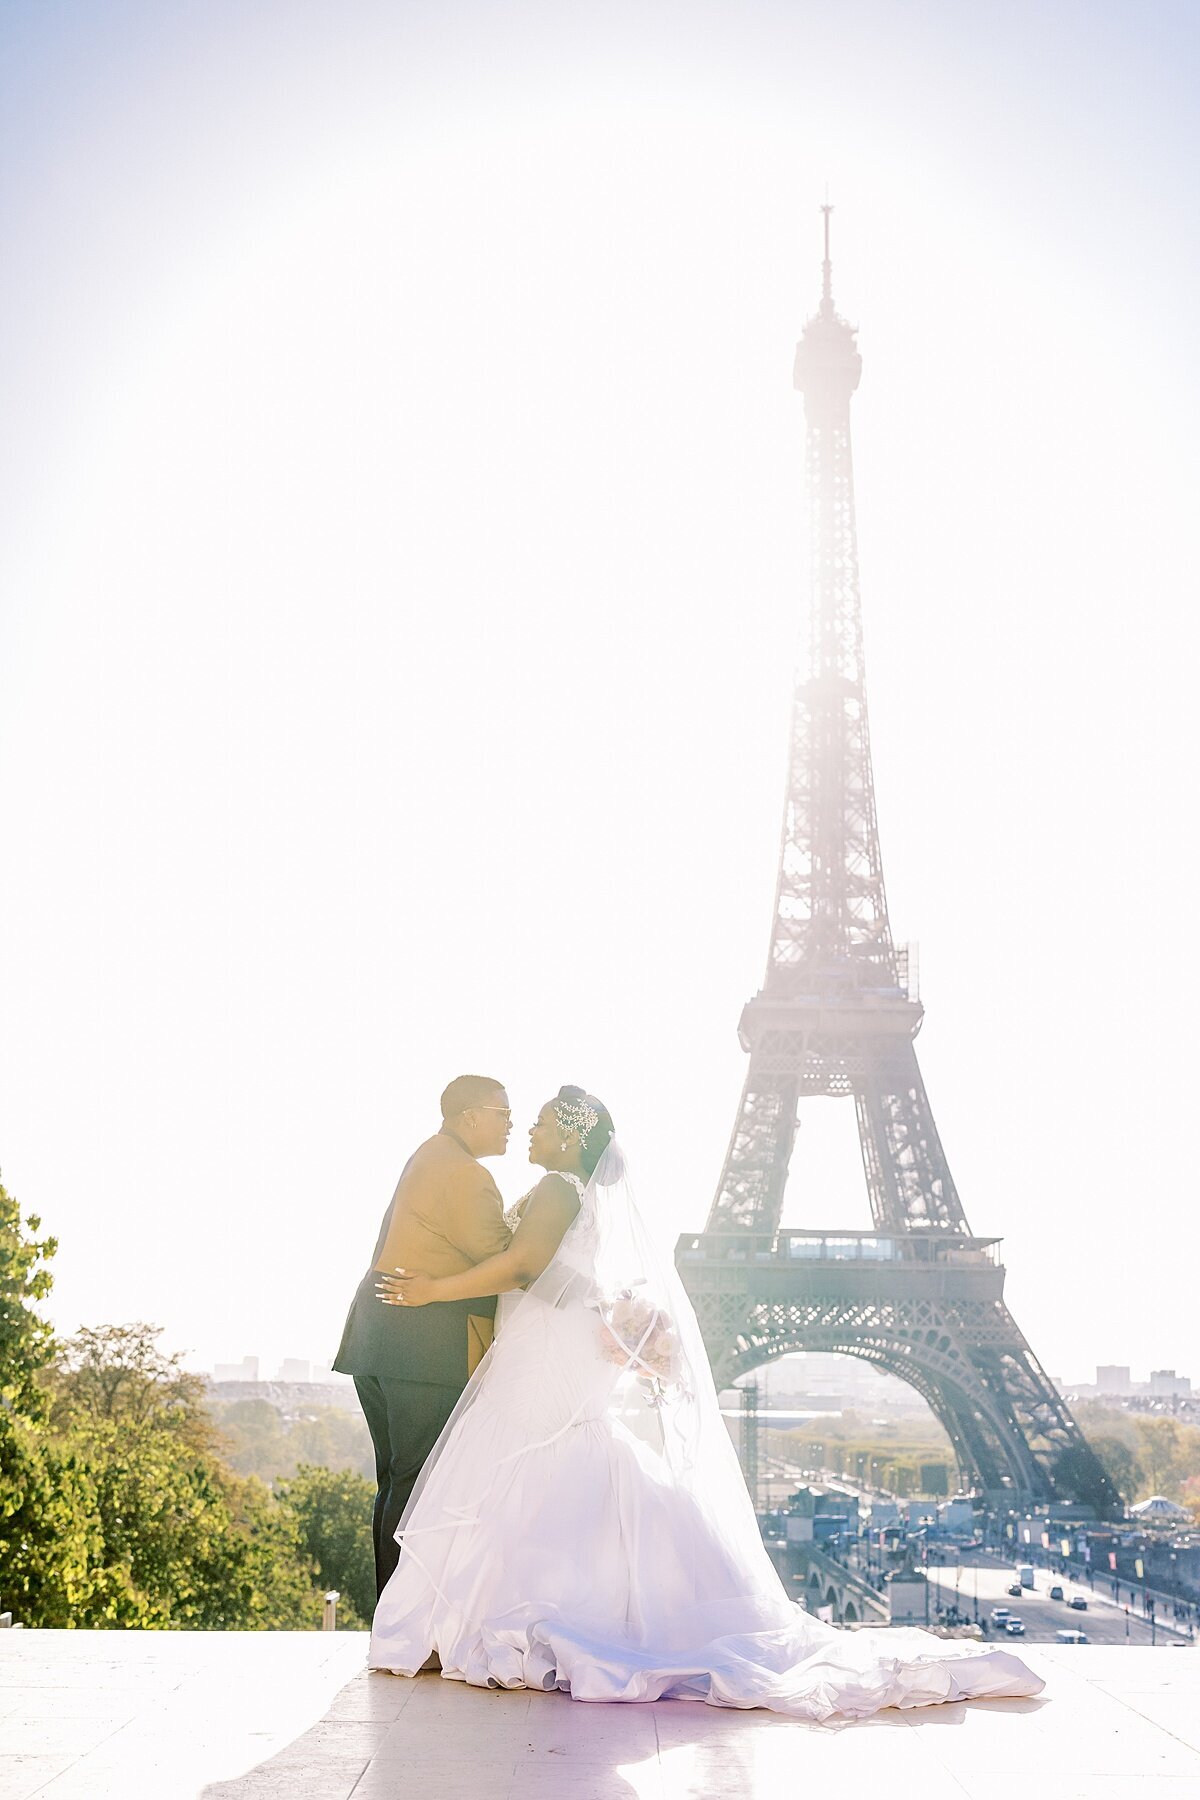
x: 1070, y: 1637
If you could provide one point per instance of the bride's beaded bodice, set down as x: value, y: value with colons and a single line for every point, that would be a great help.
x: 512, y: 1217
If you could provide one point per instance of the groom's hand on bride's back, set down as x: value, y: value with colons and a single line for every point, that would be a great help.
x: 406, y: 1288
x: 547, y: 1215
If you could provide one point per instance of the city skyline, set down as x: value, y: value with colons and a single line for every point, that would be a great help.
x: 1170, y: 1381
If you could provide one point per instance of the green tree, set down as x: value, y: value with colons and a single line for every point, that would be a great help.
x: 333, y: 1509
x: 258, y: 1439
x: 179, y: 1539
x: 26, y: 1340
x: 1079, y: 1474
x: 251, y: 1572
x: 116, y: 1505
x: 335, y: 1440
x: 254, y: 1438
x: 44, y: 1525
x: 1161, y: 1454
x: 1122, y: 1466
x: 119, y: 1373
x: 1162, y: 1451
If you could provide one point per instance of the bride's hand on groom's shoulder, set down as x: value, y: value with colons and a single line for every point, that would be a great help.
x: 405, y: 1288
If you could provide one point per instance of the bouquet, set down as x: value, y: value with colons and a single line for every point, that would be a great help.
x: 640, y: 1334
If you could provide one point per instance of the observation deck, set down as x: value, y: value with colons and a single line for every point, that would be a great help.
x: 842, y: 1265
x: 228, y: 1715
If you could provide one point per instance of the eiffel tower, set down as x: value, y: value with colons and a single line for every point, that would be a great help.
x: 918, y: 1296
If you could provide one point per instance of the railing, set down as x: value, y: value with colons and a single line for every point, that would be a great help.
x: 951, y: 1249
x: 908, y: 968
x: 806, y: 1246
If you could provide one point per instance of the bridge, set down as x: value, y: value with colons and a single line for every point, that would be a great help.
x: 821, y: 1582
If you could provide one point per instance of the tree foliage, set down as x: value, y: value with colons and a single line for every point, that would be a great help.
x: 909, y: 1457
x: 1122, y: 1466
x: 117, y: 1374
x: 26, y: 1340
x: 41, y: 1520
x: 117, y: 1504
x: 1080, y: 1475
x: 259, y: 1439
x: 178, y: 1539
x: 1145, y: 1453
x: 333, y: 1510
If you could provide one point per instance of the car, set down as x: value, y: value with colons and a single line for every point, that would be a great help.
x: 1015, y: 1627
x: 1078, y: 1602
x: 999, y: 1614
x: 1056, y: 1593
x: 1070, y: 1637
x: 1015, y: 1591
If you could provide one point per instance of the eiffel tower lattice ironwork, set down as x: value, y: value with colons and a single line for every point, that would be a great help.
x: 919, y: 1296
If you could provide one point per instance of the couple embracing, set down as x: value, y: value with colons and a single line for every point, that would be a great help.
x: 559, y: 1503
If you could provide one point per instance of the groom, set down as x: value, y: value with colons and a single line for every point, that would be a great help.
x: 410, y: 1366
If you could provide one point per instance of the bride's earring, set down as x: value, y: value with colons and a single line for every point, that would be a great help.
x: 563, y: 1148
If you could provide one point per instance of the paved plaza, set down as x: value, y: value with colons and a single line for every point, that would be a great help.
x: 296, y: 1716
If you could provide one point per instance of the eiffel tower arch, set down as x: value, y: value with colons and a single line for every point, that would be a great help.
x: 919, y: 1295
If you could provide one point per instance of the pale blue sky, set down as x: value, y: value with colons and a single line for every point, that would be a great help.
x: 403, y: 560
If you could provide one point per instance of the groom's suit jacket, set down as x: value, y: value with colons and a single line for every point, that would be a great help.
x: 445, y: 1216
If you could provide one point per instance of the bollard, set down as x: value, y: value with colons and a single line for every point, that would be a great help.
x: 329, y: 1622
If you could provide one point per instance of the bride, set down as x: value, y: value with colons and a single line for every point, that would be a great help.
x: 582, y: 1522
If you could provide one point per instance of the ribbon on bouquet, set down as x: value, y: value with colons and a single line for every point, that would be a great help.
x: 634, y: 1356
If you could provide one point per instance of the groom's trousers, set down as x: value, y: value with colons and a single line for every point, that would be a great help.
x: 405, y: 1419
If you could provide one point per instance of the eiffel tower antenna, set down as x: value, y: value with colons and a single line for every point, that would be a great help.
x: 837, y: 1015
x: 827, y: 266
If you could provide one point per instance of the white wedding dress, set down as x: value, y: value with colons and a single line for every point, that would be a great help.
x: 583, y: 1523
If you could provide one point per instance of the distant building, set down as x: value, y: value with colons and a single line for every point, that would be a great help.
x: 935, y: 1478
x: 1113, y: 1378
x: 1166, y: 1382
x: 1158, y: 1510
x: 246, y: 1370
x: 292, y: 1368
x: 908, y: 1597
x: 957, y: 1515
x: 815, y: 1514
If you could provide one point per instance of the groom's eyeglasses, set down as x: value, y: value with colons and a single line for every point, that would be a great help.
x: 506, y: 1110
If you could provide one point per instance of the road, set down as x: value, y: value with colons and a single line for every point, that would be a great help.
x: 1104, y: 1621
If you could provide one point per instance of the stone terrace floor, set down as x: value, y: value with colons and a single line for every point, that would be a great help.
x: 246, y: 1715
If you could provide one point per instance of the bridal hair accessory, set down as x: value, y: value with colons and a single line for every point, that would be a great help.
x: 576, y: 1115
